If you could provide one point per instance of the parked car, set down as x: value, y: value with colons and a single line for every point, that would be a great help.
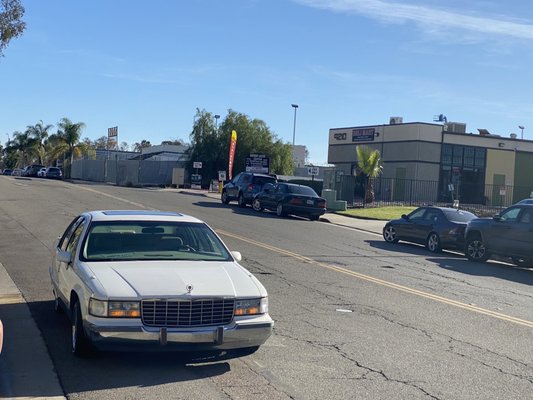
x: 162, y: 279
x: 435, y: 227
x: 41, y: 172
x: 244, y: 187
x: 53, y: 173
x: 17, y: 172
x: 7, y: 171
x: 32, y: 170
x: 507, y: 234
x: 526, y: 201
x: 290, y: 198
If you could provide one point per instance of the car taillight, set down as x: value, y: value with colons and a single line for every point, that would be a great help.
x: 322, y: 204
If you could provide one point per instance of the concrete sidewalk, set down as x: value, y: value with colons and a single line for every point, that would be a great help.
x: 26, y: 370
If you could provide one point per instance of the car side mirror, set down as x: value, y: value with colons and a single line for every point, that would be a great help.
x: 64, y: 256
x: 497, y: 217
x: 405, y: 217
x: 236, y: 255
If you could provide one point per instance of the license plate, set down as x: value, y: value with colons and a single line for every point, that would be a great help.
x: 310, y: 202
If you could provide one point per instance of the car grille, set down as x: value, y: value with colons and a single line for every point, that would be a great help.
x: 183, y: 313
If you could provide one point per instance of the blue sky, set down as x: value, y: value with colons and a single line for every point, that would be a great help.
x: 147, y: 65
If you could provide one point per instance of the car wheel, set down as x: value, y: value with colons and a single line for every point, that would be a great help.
x: 241, y: 201
x: 256, y: 205
x: 80, y: 343
x: 280, y: 212
x: 433, y: 243
x: 224, y: 198
x: 475, y: 249
x: 389, y: 234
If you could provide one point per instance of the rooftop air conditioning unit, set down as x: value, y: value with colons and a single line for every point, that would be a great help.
x: 513, y: 135
x: 455, y: 127
x: 395, y: 120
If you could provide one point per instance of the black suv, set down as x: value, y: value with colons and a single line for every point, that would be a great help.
x: 244, y: 187
x: 507, y: 234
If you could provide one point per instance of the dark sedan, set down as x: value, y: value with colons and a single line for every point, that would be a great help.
x: 289, y: 198
x: 435, y: 227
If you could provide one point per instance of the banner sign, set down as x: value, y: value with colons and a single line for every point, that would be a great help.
x: 112, y: 132
x: 258, y: 163
x: 232, y: 147
x: 363, y: 135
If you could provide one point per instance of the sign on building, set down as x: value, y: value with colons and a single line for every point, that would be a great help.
x: 363, y: 134
x: 197, y: 164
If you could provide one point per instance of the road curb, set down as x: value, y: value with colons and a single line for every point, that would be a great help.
x: 26, y: 370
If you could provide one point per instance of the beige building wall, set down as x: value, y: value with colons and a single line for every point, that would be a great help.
x: 498, y: 163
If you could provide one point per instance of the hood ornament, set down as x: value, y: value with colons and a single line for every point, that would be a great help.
x: 189, y: 288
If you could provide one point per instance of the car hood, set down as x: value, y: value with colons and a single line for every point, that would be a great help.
x: 149, y: 279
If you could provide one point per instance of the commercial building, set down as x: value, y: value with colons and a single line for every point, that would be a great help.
x: 479, y: 167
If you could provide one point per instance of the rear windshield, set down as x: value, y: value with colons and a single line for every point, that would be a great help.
x: 152, y: 240
x: 459, y: 215
x: 261, y: 180
x: 305, y: 190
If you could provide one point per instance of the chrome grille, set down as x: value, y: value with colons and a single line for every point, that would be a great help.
x: 184, y: 313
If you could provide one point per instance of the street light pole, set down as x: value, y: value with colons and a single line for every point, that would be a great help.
x: 216, y: 121
x: 521, y: 127
x: 294, y: 125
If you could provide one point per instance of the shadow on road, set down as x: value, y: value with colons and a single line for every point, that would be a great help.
x: 458, y: 263
x: 107, y: 370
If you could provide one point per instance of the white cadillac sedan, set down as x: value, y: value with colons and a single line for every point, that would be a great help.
x: 155, y: 280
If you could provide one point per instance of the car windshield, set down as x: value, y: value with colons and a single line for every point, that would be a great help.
x: 305, y: 190
x: 152, y: 240
x: 459, y: 215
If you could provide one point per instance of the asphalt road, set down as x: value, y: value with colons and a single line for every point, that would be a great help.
x: 355, y: 317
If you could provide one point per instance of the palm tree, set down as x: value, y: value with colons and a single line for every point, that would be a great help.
x: 369, y: 165
x: 39, y: 132
x: 69, y: 134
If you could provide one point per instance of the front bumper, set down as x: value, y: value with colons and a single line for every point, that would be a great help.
x: 241, y: 333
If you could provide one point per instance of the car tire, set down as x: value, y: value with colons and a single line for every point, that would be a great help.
x: 280, y: 212
x: 80, y: 343
x: 240, y: 200
x: 389, y: 234
x: 224, y: 198
x: 256, y: 205
x: 475, y: 249
x: 433, y: 243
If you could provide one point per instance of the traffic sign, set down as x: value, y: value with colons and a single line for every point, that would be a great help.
x: 312, y: 171
x: 197, y: 164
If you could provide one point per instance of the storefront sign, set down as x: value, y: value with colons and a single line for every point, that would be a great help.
x: 258, y: 163
x: 363, y: 135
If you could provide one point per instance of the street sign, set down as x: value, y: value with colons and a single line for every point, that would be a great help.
x: 258, y: 163
x: 312, y: 171
x: 222, y: 176
x: 197, y: 164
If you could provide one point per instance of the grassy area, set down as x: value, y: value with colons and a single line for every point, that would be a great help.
x: 383, y: 213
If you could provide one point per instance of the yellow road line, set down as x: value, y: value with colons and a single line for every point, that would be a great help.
x: 382, y: 282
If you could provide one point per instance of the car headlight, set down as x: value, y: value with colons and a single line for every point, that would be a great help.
x: 114, y: 309
x: 251, y: 306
